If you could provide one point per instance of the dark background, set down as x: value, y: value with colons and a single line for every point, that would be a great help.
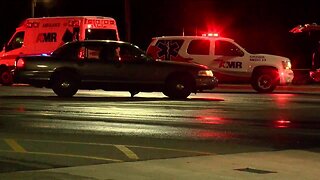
x: 261, y: 26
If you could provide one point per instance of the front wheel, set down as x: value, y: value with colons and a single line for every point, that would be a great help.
x: 178, y: 88
x: 65, y: 85
x: 6, y: 78
x: 265, y: 81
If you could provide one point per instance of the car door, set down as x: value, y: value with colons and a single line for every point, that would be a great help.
x: 229, y: 59
x: 96, y: 64
x: 13, y: 49
x: 199, y: 51
x: 135, y: 69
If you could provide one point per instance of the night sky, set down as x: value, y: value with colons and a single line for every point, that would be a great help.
x: 261, y: 26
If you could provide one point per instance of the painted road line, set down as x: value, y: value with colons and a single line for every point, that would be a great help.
x: 27, y: 164
x: 15, y: 146
x: 130, y: 154
x: 106, y: 144
x: 65, y: 155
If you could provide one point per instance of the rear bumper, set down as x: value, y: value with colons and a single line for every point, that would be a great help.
x: 206, y: 83
x: 28, y: 77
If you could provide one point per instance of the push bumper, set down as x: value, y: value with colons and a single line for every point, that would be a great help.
x: 206, y: 83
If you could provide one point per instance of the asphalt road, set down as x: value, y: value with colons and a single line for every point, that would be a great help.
x: 41, y: 131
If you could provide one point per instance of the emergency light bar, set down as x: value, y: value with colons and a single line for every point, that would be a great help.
x: 32, y: 24
x: 211, y: 35
x: 74, y: 23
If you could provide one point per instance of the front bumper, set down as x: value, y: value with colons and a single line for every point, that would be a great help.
x: 206, y: 83
x: 286, y: 77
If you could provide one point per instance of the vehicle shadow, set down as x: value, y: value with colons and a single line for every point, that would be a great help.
x: 105, y: 99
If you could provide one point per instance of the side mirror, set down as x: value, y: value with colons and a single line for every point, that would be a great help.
x: 4, y: 47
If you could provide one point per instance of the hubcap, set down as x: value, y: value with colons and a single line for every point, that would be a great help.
x: 265, y: 82
x: 180, y: 86
x: 65, y: 85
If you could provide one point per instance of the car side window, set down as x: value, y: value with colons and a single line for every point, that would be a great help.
x: 130, y: 53
x: 225, y: 48
x: 16, y: 42
x: 66, y: 52
x: 109, y: 53
x: 90, y: 53
x: 199, y: 47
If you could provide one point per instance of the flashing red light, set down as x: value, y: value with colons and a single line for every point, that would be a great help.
x: 74, y: 23
x: 211, y: 35
x: 32, y: 24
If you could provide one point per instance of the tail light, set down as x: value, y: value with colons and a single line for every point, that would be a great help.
x: 20, y: 63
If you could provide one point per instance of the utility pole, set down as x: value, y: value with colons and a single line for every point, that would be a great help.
x: 127, y: 14
x: 33, y: 6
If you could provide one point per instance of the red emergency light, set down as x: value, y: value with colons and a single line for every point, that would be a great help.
x: 74, y: 23
x: 32, y: 24
x: 211, y: 35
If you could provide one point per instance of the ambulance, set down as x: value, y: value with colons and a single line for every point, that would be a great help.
x: 230, y: 62
x: 44, y: 35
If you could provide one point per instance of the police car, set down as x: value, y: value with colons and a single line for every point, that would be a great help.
x: 229, y: 61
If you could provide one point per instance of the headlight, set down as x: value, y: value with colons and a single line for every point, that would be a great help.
x: 207, y: 73
x: 286, y: 64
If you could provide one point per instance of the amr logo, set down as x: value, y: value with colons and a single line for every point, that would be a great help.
x: 230, y: 64
x: 47, y: 37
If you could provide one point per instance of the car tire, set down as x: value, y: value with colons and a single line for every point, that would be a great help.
x: 65, y: 84
x: 265, y: 81
x: 6, y: 78
x: 178, y: 88
x: 132, y: 93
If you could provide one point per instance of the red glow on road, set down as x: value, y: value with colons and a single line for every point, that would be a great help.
x: 21, y: 109
x: 215, y: 135
x: 212, y: 120
x: 282, y: 123
x: 282, y: 99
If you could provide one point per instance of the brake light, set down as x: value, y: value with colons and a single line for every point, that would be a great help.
x: 20, y: 63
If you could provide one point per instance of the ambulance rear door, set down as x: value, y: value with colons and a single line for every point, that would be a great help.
x: 99, y: 28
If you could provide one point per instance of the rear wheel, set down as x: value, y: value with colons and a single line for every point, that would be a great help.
x: 178, y: 88
x: 265, y: 81
x: 6, y: 77
x: 65, y: 84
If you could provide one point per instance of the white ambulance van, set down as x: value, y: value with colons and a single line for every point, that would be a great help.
x: 44, y: 35
x: 230, y: 62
